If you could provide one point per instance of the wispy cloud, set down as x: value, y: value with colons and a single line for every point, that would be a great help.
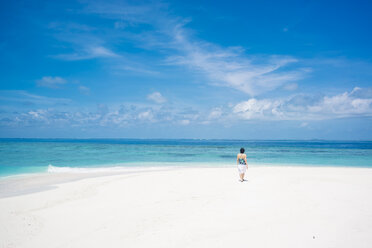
x: 129, y: 13
x: 51, y: 82
x: 167, y: 34
x: 138, y: 70
x: 21, y: 96
x: 304, y: 107
x: 237, y: 71
x: 88, y: 52
x: 84, y: 90
x: 290, y: 86
x: 233, y: 68
x: 82, y: 41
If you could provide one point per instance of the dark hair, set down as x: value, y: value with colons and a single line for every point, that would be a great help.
x: 242, y: 150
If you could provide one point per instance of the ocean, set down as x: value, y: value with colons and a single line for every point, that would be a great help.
x: 23, y: 156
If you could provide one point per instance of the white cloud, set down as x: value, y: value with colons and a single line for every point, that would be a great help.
x: 156, y: 97
x: 343, y: 105
x: 38, y: 114
x: 256, y: 109
x: 298, y: 107
x: 215, y: 113
x: 51, y: 82
x: 127, y: 114
x: 146, y: 115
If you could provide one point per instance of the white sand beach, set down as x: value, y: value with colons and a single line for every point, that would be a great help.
x: 190, y: 207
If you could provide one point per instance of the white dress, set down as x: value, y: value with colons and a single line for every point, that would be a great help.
x: 242, y: 167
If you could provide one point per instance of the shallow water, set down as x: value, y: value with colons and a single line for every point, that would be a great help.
x: 19, y: 156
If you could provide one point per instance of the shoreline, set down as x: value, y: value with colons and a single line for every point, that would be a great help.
x: 28, y: 183
x: 125, y: 167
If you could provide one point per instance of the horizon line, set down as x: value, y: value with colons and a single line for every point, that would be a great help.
x: 200, y: 139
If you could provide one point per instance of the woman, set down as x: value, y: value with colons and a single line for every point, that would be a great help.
x: 241, y: 160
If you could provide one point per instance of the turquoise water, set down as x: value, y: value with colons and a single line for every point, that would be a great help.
x: 19, y: 156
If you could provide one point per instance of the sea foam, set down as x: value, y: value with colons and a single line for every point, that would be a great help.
x: 58, y: 169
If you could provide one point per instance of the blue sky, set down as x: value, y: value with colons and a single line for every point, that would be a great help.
x: 186, y: 69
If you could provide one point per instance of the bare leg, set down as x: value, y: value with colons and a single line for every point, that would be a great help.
x: 241, y: 177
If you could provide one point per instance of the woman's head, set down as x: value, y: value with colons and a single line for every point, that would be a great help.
x: 242, y: 150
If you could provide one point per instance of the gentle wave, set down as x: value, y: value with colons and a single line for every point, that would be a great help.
x: 57, y: 169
